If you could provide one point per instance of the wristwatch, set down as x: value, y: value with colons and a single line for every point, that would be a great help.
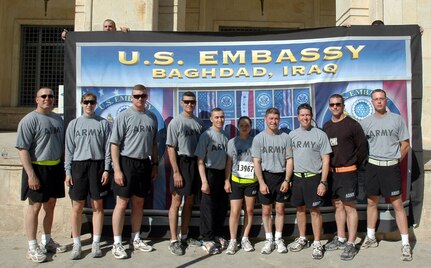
x: 324, y: 183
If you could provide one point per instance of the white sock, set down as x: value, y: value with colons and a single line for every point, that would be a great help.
x: 269, y: 236
x: 32, y: 244
x: 278, y: 235
x: 77, y: 240
x: 45, y: 238
x: 96, y: 238
x: 303, y: 238
x: 173, y: 241
x: 117, y: 239
x: 183, y: 236
x: 342, y: 239
x: 405, y: 239
x: 244, y: 238
x: 135, y: 236
x: 317, y: 243
x: 371, y: 233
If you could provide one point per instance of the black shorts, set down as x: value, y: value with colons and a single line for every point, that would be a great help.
x: 51, y: 181
x: 87, y: 177
x: 304, y: 192
x: 344, y: 185
x: 273, y: 181
x: 188, y: 168
x: 385, y: 181
x: 239, y: 190
x: 137, y: 177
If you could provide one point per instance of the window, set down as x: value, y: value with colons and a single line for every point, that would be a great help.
x: 42, y: 60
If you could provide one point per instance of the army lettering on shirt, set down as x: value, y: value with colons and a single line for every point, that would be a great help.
x: 242, y: 162
x: 212, y: 148
x: 183, y: 134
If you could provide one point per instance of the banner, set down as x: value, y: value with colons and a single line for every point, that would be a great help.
x: 245, y: 75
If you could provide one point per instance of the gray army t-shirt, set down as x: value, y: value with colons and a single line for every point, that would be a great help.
x: 273, y: 150
x: 212, y: 148
x: 87, y: 138
x: 384, y: 134
x: 242, y: 162
x: 135, y: 132
x: 184, y: 133
x: 308, y: 147
x: 42, y: 136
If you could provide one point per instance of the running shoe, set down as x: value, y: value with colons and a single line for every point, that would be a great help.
x: 406, y: 253
x: 96, y: 252
x: 246, y: 245
x: 280, y: 246
x: 176, y: 248
x: 349, y: 252
x: 232, y: 248
x: 335, y: 244
x: 369, y: 243
x: 268, y: 247
x: 36, y: 255
x: 139, y: 244
x: 76, y: 252
x: 298, y: 245
x: 119, y: 251
x: 52, y: 247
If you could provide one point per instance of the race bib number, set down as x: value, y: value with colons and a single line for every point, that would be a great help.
x: 245, y: 170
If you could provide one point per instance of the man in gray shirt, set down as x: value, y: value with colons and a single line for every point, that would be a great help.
x: 135, y: 161
x: 388, y: 140
x: 183, y: 135
x: 40, y: 144
x: 311, y: 151
x: 273, y: 165
x: 87, y: 164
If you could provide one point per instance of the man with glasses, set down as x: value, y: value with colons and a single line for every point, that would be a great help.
x: 388, y: 140
x: 311, y: 151
x: 40, y: 144
x: 183, y: 136
x: 135, y: 161
x: 87, y: 165
x: 349, y: 148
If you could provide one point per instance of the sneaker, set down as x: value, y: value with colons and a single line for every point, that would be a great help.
x: 76, y: 252
x: 369, y: 243
x: 281, y: 247
x: 406, y: 252
x: 298, y: 245
x: 210, y: 248
x: 138, y: 244
x: 36, y: 255
x: 349, y: 252
x: 52, y: 247
x: 232, y: 248
x: 335, y: 244
x: 268, y: 247
x: 246, y: 245
x: 191, y: 242
x: 119, y: 251
x: 317, y: 253
x: 96, y: 252
x: 222, y: 242
x: 176, y: 248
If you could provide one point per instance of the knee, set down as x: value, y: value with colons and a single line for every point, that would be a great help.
x: 266, y: 211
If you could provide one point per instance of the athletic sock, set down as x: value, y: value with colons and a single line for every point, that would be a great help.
x: 405, y: 239
x: 77, y: 240
x: 269, y: 236
x: 32, y: 244
x: 278, y: 235
x: 117, y: 239
x: 96, y: 238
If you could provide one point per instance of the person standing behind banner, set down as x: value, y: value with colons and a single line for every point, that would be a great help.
x: 388, y: 139
x: 87, y: 164
x: 349, y: 149
x: 311, y: 151
x: 183, y: 135
x: 211, y: 154
x: 108, y: 26
x: 240, y: 183
x: 40, y: 144
x: 273, y: 165
x: 135, y: 161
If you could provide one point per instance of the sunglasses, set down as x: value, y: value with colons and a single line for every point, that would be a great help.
x: 143, y: 96
x: 91, y: 102
x: 189, y: 101
x: 338, y: 104
x: 46, y: 96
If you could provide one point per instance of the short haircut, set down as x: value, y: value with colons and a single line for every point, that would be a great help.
x: 88, y: 94
x: 272, y: 111
x: 378, y: 90
x: 189, y: 94
x: 377, y: 22
x: 216, y: 109
x: 244, y: 118
x: 109, y: 20
x: 338, y: 96
x: 305, y: 106
x: 139, y: 87
x: 37, y: 91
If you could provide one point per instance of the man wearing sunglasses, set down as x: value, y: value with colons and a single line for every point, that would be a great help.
x: 349, y: 149
x: 135, y: 161
x: 40, y: 144
x: 87, y: 165
x: 183, y: 136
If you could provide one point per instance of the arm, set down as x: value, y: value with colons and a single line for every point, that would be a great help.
x: 263, y: 188
x: 228, y: 172
x: 33, y: 180
x: 405, y: 146
x: 321, y: 189
x: 205, y: 186
x: 115, y: 155
x: 178, y: 179
x: 289, y: 170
